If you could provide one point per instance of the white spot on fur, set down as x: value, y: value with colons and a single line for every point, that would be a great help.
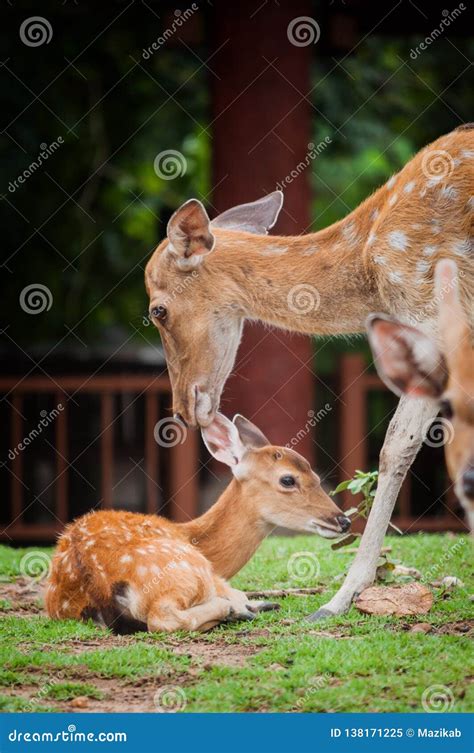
x: 449, y: 192
x: 398, y: 240
x: 350, y: 233
x: 392, y: 200
x: 185, y: 565
x: 408, y: 188
x: 462, y: 247
x: 470, y: 203
x: 467, y: 153
x: 374, y: 214
x: 274, y: 250
x: 125, y: 558
x: 395, y: 277
x: 391, y: 181
x: 142, y: 571
x: 89, y: 543
x: 380, y: 260
x: 429, y: 250
x: 310, y: 250
x: 417, y: 226
x: 372, y: 238
x: 155, y: 570
x: 423, y: 266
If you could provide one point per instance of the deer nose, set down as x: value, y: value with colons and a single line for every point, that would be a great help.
x: 344, y: 522
x: 468, y: 483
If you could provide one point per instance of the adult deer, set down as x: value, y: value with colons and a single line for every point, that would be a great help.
x: 131, y: 571
x: 411, y: 363
x: 379, y: 258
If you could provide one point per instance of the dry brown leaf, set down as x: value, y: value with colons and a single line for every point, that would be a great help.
x: 411, y: 598
x: 81, y: 702
x: 421, y: 627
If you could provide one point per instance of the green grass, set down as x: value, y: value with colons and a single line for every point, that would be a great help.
x: 354, y: 662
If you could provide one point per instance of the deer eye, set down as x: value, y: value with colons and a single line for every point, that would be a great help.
x: 159, y: 312
x: 446, y: 408
x: 288, y: 481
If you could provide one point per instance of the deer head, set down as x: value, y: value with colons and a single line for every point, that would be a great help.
x: 412, y: 363
x: 276, y: 482
x: 199, y: 313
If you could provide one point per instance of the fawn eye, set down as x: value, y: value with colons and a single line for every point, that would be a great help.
x: 159, y: 312
x: 446, y: 408
x: 288, y: 481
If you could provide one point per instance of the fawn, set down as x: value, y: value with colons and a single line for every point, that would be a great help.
x: 410, y: 362
x: 131, y: 571
x: 380, y: 257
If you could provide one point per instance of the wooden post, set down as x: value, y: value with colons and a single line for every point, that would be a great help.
x: 261, y: 130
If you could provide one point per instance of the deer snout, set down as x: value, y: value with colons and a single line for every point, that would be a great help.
x: 344, y: 522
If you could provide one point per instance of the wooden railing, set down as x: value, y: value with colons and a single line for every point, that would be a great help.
x: 183, y: 457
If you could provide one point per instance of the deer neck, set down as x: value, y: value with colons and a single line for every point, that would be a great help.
x: 229, y: 533
x: 313, y: 284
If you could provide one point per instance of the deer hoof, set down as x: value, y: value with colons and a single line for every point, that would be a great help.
x: 320, y: 614
x: 264, y: 606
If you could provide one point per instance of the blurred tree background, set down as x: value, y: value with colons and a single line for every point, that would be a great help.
x: 97, y: 208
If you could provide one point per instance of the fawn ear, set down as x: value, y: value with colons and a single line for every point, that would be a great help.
x: 250, y: 435
x: 189, y: 235
x: 256, y: 217
x: 407, y: 360
x: 222, y: 440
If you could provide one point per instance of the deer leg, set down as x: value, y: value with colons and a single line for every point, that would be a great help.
x: 166, y: 616
x: 403, y: 440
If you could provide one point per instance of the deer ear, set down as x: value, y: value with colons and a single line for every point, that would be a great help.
x: 189, y: 235
x: 222, y: 440
x: 407, y: 360
x: 256, y: 217
x: 250, y: 435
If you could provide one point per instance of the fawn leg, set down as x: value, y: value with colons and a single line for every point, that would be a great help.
x: 402, y: 442
x: 166, y: 616
x: 243, y: 608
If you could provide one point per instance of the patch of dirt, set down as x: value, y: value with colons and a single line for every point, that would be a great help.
x: 25, y: 596
x: 464, y: 628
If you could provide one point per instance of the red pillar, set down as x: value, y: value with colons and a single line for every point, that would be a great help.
x: 261, y: 130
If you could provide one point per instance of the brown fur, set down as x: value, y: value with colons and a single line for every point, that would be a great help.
x: 356, y: 266
x: 120, y: 566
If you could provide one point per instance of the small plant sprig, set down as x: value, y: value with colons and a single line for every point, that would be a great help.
x: 365, y: 483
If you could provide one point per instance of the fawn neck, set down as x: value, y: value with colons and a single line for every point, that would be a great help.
x: 313, y: 284
x: 229, y: 533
